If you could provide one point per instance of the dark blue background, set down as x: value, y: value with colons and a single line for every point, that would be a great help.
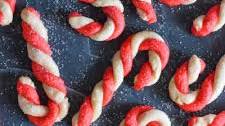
x: 83, y: 61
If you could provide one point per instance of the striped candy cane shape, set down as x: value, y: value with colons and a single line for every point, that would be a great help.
x: 111, y: 29
x: 145, y: 10
x: 211, y: 22
x: 208, y: 120
x: 173, y: 3
x: 113, y: 76
x: 7, y: 8
x: 44, y: 67
x: 187, y: 74
x: 145, y: 116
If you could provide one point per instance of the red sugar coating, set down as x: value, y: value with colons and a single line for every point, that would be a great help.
x: 118, y: 18
x: 47, y: 78
x: 181, y: 77
x: 28, y: 92
x: 108, y: 85
x: 204, y: 94
x: 192, y: 121
x: 1, y: 17
x: 12, y: 4
x: 147, y: 8
x: 173, y: 3
x: 143, y: 77
x: 34, y: 39
x: 87, y: 1
x: 86, y: 113
x: 90, y: 29
x: 154, y: 123
x: 47, y: 120
x: 209, y: 23
x: 132, y: 115
x: 219, y: 120
x: 159, y: 47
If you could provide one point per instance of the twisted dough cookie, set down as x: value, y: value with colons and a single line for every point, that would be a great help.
x: 122, y: 61
x: 208, y: 120
x: 173, y: 3
x: 44, y: 68
x: 145, y: 10
x: 112, y: 28
x: 211, y: 22
x: 145, y: 116
x: 187, y: 74
x: 7, y: 8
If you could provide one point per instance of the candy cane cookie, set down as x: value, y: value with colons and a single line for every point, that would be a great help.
x: 44, y: 68
x: 145, y: 10
x: 111, y: 29
x: 208, y: 120
x: 7, y: 8
x: 173, y: 3
x: 187, y: 74
x: 211, y: 22
x: 113, y: 76
x: 146, y: 116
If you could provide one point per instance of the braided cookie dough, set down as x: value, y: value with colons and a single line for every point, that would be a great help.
x: 173, y: 3
x: 44, y: 68
x: 211, y: 22
x: 112, y: 28
x: 145, y: 116
x: 122, y: 62
x: 208, y: 120
x: 145, y: 10
x: 187, y: 74
x: 7, y: 8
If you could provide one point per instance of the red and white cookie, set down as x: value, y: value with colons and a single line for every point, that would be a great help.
x: 44, y: 67
x: 111, y: 29
x: 146, y: 116
x: 122, y: 62
x: 173, y: 3
x: 208, y: 120
x: 145, y: 10
x: 7, y: 8
x: 187, y: 74
x: 211, y: 22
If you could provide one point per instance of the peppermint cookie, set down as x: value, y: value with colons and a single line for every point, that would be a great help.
x: 173, y: 3
x: 211, y: 22
x: 146, y: 116
x: 122, y: 62
x: 111, y: 29
x: 44, y: 69
x: 145, y: 10
x: 187, y: 74
x: 208, y: 120
x: 7, y: 8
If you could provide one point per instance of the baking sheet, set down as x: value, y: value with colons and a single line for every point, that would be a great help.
x: 83, y: 61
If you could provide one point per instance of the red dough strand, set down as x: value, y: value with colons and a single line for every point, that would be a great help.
x: 146, y: 9
x: 210, y: 21
x: 218, y: 120
x: 145, y: 116
x: 115, y: 22
x: 187, y: 74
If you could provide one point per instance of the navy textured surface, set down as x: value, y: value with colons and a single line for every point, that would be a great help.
x: 83, y: 61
